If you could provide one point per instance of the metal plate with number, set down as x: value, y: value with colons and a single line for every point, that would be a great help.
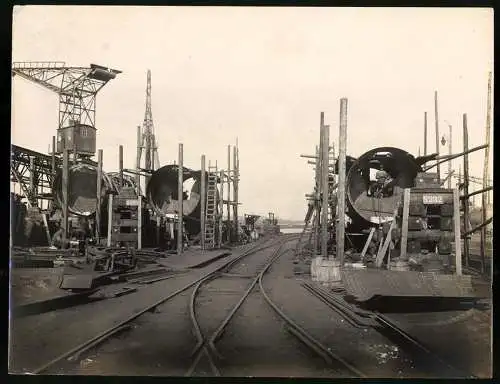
x: 131, y: 203
x: 433, y: 199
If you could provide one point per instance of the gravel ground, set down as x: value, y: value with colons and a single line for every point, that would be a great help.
x: 462, y: 338
x: 34, y: 340
x: 141, y: 351
x: 363, y: 348
x: 160, y: 343
x: 33, y: 284
x: 256, y: 343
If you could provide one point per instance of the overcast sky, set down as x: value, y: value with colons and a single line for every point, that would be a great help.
x: 262, y: 75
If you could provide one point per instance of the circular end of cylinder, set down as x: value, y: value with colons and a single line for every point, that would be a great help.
x: 82, y: 189
x: 402, y: 169
x: 162, y: 191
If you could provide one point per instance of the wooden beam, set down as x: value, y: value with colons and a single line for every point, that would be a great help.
x: 476, y: 193
x: 466, y: 188
x: 110, y: 218
x: 139, y: 222
x: 436, y: 118
x: 228, y: 208
x: 456, y: 221
x: 324, y: 192
x: 138, y: 161
x: 368, y: 241
x: 235, y: 194
x: 99, y: 193
x: 221, y: 202
x: 341, y: 192
x: 484, y: 199
x: 53, y: 157
x: 404, y: 226
x: 180, y: 213
x: 65, y: 188
x: 480, y: 226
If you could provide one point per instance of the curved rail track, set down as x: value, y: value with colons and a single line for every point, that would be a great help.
x: 206, y: 345
x: 217, y: 331
x: 77, y: 351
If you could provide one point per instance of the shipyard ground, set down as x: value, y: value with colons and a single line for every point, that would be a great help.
x: 256, y: 341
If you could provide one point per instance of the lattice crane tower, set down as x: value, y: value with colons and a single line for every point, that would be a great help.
x: 77, y: 88
x: 149, y: 146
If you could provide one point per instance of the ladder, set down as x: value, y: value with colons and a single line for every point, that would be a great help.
x: 211, y: 209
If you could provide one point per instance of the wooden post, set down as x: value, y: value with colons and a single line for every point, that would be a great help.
x: 221, y: 208
x: 436, y: 116
x: 317, y: 216
x: 456, y: 221
x: 484, y: 199
x: 228, y: 194
x: 324, y: 192
x: 180, y: 235
x: 404, y: 227
x: 235, y: 194
x: 466, y: 189
x: 53, y: 157
x: 425, y: 133
x: 368, y: 241
x: 203, y: 194
x: 110, y: 218
x: 46, y: 226
x: 342, y: 180
x: 138, y: 161
x: 65, y: 187
x: 459, y: 176
x: 139, y: 222
x: 99, y: 193
x: 120, y: 164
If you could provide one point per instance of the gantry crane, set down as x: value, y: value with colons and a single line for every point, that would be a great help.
x: 77, y: 88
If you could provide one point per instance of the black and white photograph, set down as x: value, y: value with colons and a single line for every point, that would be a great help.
x: 229, y: 191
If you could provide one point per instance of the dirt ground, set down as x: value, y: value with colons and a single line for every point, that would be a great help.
x: 256, y: 342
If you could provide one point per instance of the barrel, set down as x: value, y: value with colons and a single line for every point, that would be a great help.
x: 82, y: 189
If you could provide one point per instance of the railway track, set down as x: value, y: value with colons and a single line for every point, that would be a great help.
x: 224, y: 312
x: 73, y: 354
x: 206, y: 351
x: 424, y: 358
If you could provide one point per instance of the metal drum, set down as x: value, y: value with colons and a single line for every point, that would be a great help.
x: 162, y: 195
x: 365, y: 210
x: 82, y: 189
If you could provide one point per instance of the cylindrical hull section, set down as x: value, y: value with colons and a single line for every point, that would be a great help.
x: 82, y: 196
x: 162, y: 195
x: 366, y: 211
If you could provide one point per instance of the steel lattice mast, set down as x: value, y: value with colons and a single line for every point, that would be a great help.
x: 151, y: 160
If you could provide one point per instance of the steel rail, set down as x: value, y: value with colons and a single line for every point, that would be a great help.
x: 380, y: 324
x: 305, y: 336
x: 103, y: 336
x: 208, y: 346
